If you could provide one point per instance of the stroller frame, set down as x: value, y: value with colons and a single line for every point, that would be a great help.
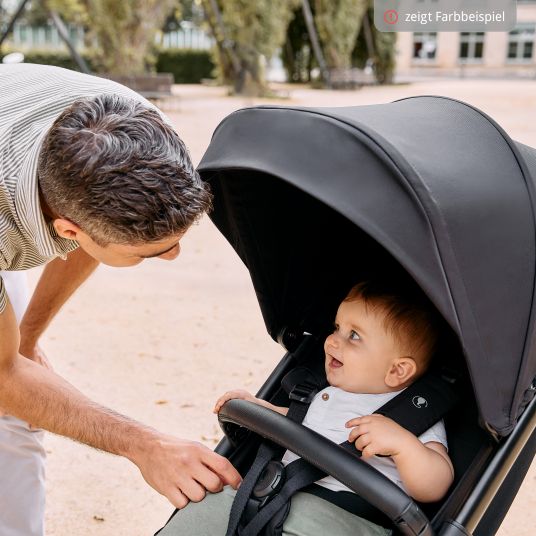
x: 427, y: 187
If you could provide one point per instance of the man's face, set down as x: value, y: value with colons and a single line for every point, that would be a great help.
x: 360, y: 352
x: 120, y: 255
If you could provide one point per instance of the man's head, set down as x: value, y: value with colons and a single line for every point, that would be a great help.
x: 118, y: 179
x: 382, y: 340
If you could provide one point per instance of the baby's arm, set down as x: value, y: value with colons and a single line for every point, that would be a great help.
x: 244, y: 395
x: 425, y: 469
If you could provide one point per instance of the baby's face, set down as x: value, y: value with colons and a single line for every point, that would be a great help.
x: 360, y: 351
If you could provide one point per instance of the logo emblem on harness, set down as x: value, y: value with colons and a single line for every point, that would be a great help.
x: 420, y: 402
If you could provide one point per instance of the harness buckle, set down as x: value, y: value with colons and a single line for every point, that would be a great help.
x: 303, y: 392
x: 270, y: 482
x: 267, y: 487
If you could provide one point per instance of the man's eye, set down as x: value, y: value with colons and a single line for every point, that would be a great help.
x: 354, y: 336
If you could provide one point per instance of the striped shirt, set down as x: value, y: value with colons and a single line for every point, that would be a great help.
x: 31, y: 98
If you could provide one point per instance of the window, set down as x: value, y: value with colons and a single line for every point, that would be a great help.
x: 471, y: 46
x: 424, y: 46
x: 521, y: 43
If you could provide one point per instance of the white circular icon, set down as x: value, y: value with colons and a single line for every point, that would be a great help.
x: 420, y: 402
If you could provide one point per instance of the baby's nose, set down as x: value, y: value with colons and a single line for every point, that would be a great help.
x: 332, y: 340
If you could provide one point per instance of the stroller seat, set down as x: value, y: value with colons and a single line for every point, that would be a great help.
x: 469, y: 446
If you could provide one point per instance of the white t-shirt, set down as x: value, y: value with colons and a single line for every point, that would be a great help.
x: 328, y: 417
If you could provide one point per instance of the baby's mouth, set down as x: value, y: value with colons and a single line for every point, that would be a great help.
x: 335, y: 363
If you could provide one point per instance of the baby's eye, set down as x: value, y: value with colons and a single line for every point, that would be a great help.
x: 354, y: 336
x: 335, y: 327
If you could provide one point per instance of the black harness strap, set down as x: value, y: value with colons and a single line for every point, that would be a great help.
x: 264, y: 456
x: 301, y: 395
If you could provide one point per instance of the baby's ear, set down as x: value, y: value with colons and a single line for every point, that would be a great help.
x: 401, y: 371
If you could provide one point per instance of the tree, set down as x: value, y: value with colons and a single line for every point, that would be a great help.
x: 297, y: 55
x: 380, y: 50
x: 338, y: 23
x: 5, y: 13
x: 38, y: 11
x: 123, y: 33
x: 370, y: 47
x: 246, y: 31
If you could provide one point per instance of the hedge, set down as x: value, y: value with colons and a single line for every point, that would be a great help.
x: 187, y: 66
x: 52, y: 57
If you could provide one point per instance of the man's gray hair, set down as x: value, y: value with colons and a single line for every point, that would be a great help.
x: 115, y: 168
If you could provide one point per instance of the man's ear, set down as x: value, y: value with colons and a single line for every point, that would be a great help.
x: 66, y: 228
x: 402, y: 370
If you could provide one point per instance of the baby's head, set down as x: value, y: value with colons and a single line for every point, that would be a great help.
x: 382, y: 341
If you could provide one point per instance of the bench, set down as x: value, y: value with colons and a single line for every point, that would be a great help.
x: 151, y: 86
x: 350, y: 78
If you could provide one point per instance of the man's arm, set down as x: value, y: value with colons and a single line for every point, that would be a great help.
x: 56, y: 285
x: 179, y: 469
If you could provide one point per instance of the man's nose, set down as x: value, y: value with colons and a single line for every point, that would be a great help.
x: 171, y: 254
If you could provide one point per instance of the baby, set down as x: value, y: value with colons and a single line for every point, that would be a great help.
x: 381, y: 343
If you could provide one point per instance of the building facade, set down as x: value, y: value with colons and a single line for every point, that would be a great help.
x: 490, y: 54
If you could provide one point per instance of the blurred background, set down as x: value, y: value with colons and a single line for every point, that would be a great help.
x: 246, y: 44
x: 161, y: 341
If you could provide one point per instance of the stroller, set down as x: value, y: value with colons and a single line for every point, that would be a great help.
x: 427, y: 187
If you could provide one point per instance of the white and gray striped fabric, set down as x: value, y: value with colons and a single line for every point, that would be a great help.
x: 31, y: 97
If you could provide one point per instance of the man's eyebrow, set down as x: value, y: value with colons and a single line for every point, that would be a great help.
x: 159, y: 253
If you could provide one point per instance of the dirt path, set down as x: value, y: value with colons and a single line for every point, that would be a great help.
x: 161, y: 341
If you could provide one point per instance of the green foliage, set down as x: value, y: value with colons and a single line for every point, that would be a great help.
x: 36, y: 12
x: 70, y: 10
x: 123, y: 32
x: 259, y: 26
x: 183, y: 10
x: 247, y: 30
x: 382, y: 55
x: 299, y: 60
x: 297, y: 54
x: 385, y: 63
x: 187, y: 66
x: 53, y: 57
x: 338, y: 23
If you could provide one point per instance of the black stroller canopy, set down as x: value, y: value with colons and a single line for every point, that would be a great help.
x: 314, y: 199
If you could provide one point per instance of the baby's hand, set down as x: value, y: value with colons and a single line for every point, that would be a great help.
x: 376, y: 434
x: 229, y: 395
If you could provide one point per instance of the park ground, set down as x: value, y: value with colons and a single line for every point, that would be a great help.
x: 160, y: 342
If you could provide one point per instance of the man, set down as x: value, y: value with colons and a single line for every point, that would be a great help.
x: 89, y: 172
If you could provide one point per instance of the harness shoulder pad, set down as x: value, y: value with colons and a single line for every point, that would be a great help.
x: 423, y: 403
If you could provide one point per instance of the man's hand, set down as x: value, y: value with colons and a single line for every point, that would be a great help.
x: 183, y: 470
x: 35, y: 353
x: 376, y: 434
